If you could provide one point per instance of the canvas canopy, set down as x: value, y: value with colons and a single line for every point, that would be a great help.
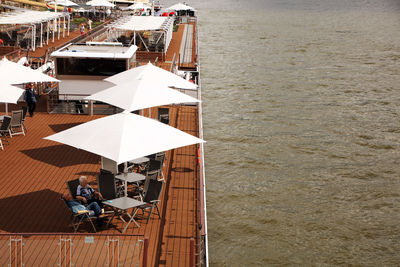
x: 9, y: 93
x: 124, y: 136
x: 64, y: 3
x: 28, y: 17
x: 138, y: 23
x: 137, y: 6
x: 180, y: 6
x: 13, y: 73
x: 163, y: 25
x: 153, y: 73
x: 141, y: 94
x: 99, y: 3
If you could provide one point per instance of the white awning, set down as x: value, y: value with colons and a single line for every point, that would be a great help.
x: 142, y: 23
x: 29, y: 17
x: 180, y: 6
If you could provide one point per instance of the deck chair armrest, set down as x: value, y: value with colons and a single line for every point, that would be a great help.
x: 82, y: 212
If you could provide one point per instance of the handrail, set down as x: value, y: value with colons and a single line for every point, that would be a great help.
x: 203, y: 206
x: 75, y: 234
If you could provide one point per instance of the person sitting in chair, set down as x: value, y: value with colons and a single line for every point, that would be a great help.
x: 87, y: 194
x: 77, y: 208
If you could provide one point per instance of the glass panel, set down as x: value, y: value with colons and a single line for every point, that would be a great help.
x: 90, y: 66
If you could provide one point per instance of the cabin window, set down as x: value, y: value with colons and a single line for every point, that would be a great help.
x: 90, y: 66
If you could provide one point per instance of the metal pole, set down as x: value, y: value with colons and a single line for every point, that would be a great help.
x: 41, y: 34
x: 59, y: 28
x: 145, y: 248
x: 48, y: 30
x: 64, y: 27
x: 191, y: 264
x: 54, y: 28
x: 68, y: 23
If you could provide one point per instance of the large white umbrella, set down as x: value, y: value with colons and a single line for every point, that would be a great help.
x: 135, y: 6
x: 13, y: 73
x: 124, y: 136
x: 141, y: 93
x: 180, y: 6
x: 64, y: 3
x: 99, y: 3
x: 156, y: 74
x: 9, y: 93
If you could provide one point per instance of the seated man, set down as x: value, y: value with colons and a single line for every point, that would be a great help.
x: 87, y: 194
x: 77, y: 208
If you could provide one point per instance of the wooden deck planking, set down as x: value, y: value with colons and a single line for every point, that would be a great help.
x: 34, y: 172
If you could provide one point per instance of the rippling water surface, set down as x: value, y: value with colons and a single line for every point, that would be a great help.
x: 301, y: 115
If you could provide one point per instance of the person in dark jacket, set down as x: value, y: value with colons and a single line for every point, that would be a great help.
x: 30, y: 99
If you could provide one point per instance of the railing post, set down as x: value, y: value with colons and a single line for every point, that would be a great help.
x: 145, y: 248
x: 191, y: 264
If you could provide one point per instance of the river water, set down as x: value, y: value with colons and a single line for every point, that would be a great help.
x: 301, y: 114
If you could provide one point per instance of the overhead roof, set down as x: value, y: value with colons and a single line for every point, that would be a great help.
x: 28, y: 17
x: 142, y: 23
x: 96, y: 50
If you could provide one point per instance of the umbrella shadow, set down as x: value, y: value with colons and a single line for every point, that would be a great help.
x: 34, y: 212
x: 62, y: 127
x: 181, y: 169
x: 61, y: 155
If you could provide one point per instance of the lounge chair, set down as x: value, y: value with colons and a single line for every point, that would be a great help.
x: 73, y: 187
x: 24, y: 112
x: 4, y: 130
x: 152, y: 198
x: 107, y: 185
x: 163, y: 115
x: 79, y: 216
x: 16, y: 126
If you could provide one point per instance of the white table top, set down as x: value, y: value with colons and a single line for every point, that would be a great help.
x: 131, y: 177
x: 124, y: 203
x: 140, y: 160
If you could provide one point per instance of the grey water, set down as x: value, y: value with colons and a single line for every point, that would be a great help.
x: 302, y: 121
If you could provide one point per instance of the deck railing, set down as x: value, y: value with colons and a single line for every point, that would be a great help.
x: 65, y: 249
x: 203, y: 245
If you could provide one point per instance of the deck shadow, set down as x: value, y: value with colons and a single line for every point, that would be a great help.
x: 181, y: 169
x: 64, y: 126
x: 34, y: 212
x: 60, y: 155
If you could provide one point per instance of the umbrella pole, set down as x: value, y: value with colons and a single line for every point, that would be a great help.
x: 6, y: 108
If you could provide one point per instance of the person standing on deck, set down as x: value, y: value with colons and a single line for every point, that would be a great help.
x: 30, y: 99
x: 90, y: 24
x: 82, y: 29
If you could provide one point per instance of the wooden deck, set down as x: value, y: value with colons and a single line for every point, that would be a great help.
x: 33, y: 173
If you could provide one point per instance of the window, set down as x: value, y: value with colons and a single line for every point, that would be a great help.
x: 92, y: 67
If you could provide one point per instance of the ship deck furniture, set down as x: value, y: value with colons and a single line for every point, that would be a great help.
x: 130, y: 177
x: 124, y: 204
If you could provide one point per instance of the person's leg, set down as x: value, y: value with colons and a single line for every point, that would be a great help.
x: 33, y: 107
x: 97, y: 211
x: 30, y: 108
x: 95, y: 207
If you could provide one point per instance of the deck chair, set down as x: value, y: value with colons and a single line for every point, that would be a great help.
x: 77, y: 218
x: 16, y: 126
x: 157, y: 164
x: 163, y: 115
x: 107, y: 185
x: 152, y: 198
x: 153, y: 175
x: 24, y: 112
x: 72, y: 187
x: 4, y: 130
